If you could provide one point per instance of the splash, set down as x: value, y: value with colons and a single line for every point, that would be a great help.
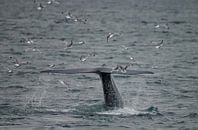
x: 126, y: 111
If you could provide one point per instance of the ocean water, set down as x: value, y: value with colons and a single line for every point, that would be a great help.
x: 156, y: 35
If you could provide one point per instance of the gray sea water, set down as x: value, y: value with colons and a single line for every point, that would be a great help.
x: 156, y: 35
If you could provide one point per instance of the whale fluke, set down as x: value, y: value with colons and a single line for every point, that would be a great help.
x: 97, y: 70
x: 112, y: 96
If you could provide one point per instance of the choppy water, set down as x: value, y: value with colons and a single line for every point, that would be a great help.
x: 35, y: 37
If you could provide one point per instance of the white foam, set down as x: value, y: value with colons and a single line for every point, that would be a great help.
x: 58, y: 110
x: 126, y: 111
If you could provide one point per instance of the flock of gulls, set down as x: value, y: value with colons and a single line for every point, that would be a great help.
x: 70, y: 18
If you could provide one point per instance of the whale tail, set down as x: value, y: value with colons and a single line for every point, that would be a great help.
x: 97, y: 71
x: 112, y: 96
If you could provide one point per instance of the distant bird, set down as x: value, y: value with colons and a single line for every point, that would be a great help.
x: 124, y: 47
x: 80, y: 20
x: 69, y: 45
x: 10, y: 71
x: 63, y: 83
x: 51, y: 65
x: 165, y: 26
x: 17, y: 63
x: 121, y: 68
x: 68, y: 17
x: 49, y: 2
x: 81, y: 42
x: 159, y: 44
x: 52, y: 1
x: 110, y: 35
x: 26, y: 40
x: 131, y: 58
x: 30, y: 41
x: 40, y: 6
x: 124, y: 68
x: 84, y: 58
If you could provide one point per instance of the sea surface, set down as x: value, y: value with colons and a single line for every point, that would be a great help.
x: 155, y: 35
